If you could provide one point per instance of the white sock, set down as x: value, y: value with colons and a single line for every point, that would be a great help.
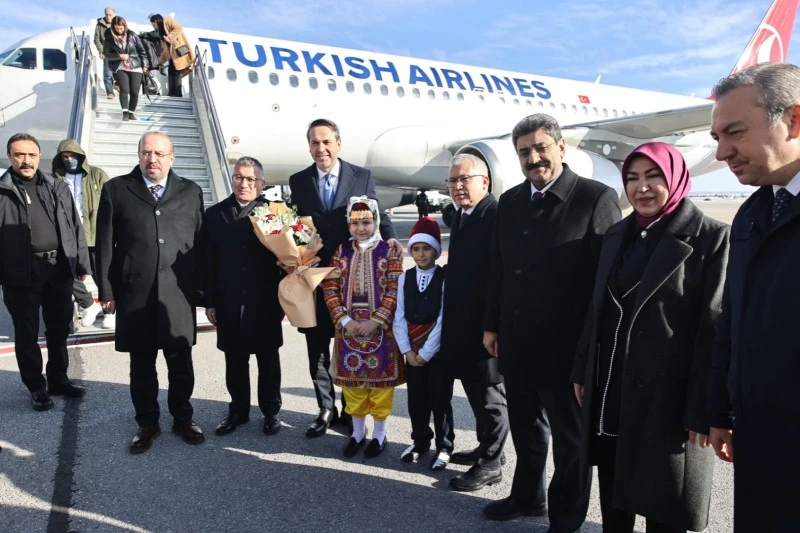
x: 380, y: 431
x: 359, y: 428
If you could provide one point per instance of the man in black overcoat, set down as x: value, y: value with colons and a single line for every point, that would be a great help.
x: 241, y: 296
x: 147, y: 225
x: 754, y: 405
x: 544, y: 256
x: 462, y: 351
x: 321, y: 191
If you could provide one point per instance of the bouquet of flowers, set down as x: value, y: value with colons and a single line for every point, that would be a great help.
x: 295, y: 243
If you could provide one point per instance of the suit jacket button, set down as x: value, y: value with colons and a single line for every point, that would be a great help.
x: 641, y: 334
x: 158, y: 212
x: 524, y: 232
x: 518, y: 272
x: 160, y: 241
x: 639, y: 383
x: 516, y: 312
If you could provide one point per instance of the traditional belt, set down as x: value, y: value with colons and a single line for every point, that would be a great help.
x: 51, y: 254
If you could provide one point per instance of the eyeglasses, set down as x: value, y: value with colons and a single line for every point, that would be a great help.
x: 238, y: 178
x: 160, y: 155
x: 538, y: 148
x: 463, y: 180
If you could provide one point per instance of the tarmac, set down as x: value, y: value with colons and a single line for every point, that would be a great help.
x: 69, y: 470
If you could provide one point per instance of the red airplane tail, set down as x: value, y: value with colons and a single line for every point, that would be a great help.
x: 770, y: 42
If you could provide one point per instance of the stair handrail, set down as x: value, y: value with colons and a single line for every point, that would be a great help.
x: 218, y: 137
x: 83, y: 72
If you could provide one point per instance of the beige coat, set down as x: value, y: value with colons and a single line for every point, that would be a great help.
x: 185, y: 63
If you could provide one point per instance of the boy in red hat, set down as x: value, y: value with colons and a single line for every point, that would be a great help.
x: 417, y: 329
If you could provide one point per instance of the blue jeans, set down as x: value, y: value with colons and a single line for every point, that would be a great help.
x: 108, y: 80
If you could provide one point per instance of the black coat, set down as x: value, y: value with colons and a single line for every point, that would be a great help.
x: 137, y: 54
x: 756, y: 364
x: 145, y: 254
x: 666, y: 351
x: 16, y: 259
x: 544, y: 258
x: 468, y: 264
x: 241, y: 281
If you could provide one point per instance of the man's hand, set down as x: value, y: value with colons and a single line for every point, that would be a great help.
x: 101, y: 55
x: 396, y: 247
x: 109, y: 306
x: 578, y: 393
x: 211, y: 314
x: 83, y: 277
x: 412, y: 358
x: 721, y: 439
x: 699, y: 438
x: 490, y: 342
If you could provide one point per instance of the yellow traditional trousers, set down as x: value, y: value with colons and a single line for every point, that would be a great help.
x: 362, y: 402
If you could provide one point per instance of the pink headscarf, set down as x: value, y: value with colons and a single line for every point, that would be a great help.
x: 671, y: 163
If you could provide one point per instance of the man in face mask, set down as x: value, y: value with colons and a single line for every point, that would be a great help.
x: 85, y: 183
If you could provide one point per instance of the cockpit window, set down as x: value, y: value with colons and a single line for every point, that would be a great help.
x: 53, y: 59
x: 22, y: 58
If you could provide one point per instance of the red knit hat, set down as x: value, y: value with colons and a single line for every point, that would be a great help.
x: 426, y: 230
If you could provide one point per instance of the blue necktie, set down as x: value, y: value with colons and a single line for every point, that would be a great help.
x: 328, y: 192
x: 782, y: 199
x: 155, y: 190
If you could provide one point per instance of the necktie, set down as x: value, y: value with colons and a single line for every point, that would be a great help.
x: 536, y: 196
x: 155, y: 190
x: 328, y: 192
x: 781, y: 203
x: 463, y: 221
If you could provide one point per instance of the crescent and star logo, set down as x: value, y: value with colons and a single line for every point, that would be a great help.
x: 766, y: 46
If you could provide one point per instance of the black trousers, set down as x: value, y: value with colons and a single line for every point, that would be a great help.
x: 318, y: 344
x: 130, y: 84
x: 237, y: 378
x: 174, y: 80
x: 535, y: 413
x: 144, y: 384
x: 489, y: 406
x: 50, y: 291
x: 82, y: 295
x: 429, y: 393
x: 617, y: 520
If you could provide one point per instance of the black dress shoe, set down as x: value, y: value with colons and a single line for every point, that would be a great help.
x: 413, y: 452
x: 41, y: 401
x: 189, y: 431
x: 374, y: 448
x: 321, y: 423
x: 440, y: 460
x: 144, y: 439
x: 352, y: 446
x: 272, y: 425
x: 66, y: 388
x: 511, y: 508
x: 471, y: 457
x: 229, y: 423
x: 476, y: 478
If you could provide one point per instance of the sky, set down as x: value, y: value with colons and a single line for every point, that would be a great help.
x: 677, y: 46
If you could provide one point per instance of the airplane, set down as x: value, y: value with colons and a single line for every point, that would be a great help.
x: 402, y: 117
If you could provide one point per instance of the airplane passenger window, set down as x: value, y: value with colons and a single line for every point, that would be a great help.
x: 481, y: 98
x: 313, y: 83
x: 594, y: 110
x: 415, y: 92
x: 552, y: 106
x: 540, y: 104
x: 585, y: 110
x: 22, y: 58
x: 460, y: 97
x: 516, y: 101
x: 614, y: 111
x: 293, y: 81
x: 253, y: 76
x: 574, y: 109
x: 528, y: 103
x: 446, y: 95
x: 431, y: 95
x: 331, y: 85
x: 367, y: 88
x: 210, y: 72
x: 53, y: 59
x: 231, y: 74
x: 563, y: 108
x: 605, y: 112
x: 624, y: 113
x: 274, y: 79
x: 384, y: 90
x: 502, y: 100
x: 350, y: 86
x: 400, y: 91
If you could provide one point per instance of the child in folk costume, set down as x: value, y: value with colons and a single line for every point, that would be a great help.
x: 362, y: 301
x: 417, y: 328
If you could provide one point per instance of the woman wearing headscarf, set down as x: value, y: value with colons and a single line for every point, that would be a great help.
x: 176, y: 50
x: 127, y: 59
x: 642, y: 365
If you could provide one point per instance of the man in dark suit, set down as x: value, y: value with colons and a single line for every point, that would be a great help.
x: 241, y: 295
x: 321, y: 191
x: 754, y: 406
x: 544, y: 256
x: 147, y: 225
x: 464, y: 302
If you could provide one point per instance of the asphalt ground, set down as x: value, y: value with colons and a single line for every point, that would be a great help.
x: 69, y: 469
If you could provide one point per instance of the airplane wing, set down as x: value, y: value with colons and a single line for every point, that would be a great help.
x: 649, y: 126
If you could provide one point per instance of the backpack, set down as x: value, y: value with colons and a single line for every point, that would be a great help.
x: 150, y: 84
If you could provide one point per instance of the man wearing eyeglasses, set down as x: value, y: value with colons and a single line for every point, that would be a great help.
x: 544, y: 256
x: 462, y: 350
x: 241, y: 298
x: 147, y: 225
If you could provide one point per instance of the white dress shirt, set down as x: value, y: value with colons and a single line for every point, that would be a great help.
x: 793, y: 186
x: 400, y: 325
x: 546, y: 187
x: 334, y: 179
x: 149, y: 184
